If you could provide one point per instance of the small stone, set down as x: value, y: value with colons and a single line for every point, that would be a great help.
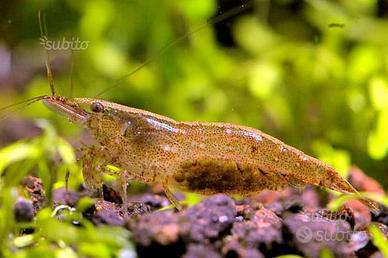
x: 202, y: 222
x: 24, y: 211
x: 223, y: 219
x: 160, y: 228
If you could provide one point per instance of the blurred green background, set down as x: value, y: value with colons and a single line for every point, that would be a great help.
x: 311, y: 73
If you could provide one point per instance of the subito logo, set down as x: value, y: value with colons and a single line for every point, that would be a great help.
x: 304, y: 234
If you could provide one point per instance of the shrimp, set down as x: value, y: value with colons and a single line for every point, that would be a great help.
x: 204, y: 158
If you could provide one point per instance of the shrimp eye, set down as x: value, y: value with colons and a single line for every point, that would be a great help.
x: 97, y: 107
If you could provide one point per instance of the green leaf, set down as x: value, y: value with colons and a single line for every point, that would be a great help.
x: 342, y: 199
x: 16, y: 152
x: 66, y: 252
x: 378, y: 91
x: 85, y: 203
x: 97, y: 250
x: 65, y: 151
x: 191, y: 199
x: 326, y: 253
x: 379, y: 240
x: 378, y: 138
x: 24, y: 241
x: 263, y: 79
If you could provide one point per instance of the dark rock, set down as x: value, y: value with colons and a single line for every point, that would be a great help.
x: 262, y: 231
x: 109, y: 217
x: 136, y: 209
x: 35, y: 188
x: 159, y: 227
x: 309, y: 198
x: 359, y: 240
x: 157, y: 235
x: 209, y: 219
x: 382, y: 216
x: 153, y: 200
x: 263, y: 228
x: 24, y: 211
x: 105, y: 212
x: 62, y: 196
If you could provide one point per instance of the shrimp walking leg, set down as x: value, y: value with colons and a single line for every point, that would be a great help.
x: 171, y: 197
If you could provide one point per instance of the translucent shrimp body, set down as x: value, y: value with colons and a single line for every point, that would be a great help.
x: 205, y: 158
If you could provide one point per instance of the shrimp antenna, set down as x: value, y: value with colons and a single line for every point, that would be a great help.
x: 43, y: 35
x: 26, y: 103
x: 211, y: 21
x: 22, y: 102
x: 71, y: 75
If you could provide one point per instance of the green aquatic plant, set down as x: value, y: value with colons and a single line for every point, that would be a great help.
x: 49, y: 157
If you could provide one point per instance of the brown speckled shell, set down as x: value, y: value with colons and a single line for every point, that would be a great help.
x: 205, y: 158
